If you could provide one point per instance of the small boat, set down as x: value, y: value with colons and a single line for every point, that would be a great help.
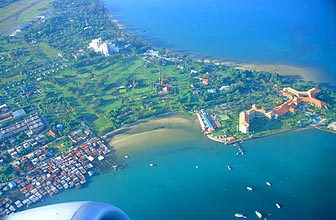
x: 196, y: 167
x: 268, y: 183
x: 249, y: 188
x: 229, y: 167
x: 152, y: 165
x: 277, y: 205
x: 126, y: 156
x: 238, y: 215
x: 258, y: 214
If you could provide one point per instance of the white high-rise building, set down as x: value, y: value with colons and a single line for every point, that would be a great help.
x: 105, y: 48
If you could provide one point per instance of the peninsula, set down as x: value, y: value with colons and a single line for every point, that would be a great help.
x: 70, y: 75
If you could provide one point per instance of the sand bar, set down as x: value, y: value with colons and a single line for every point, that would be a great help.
x: 153, y: 131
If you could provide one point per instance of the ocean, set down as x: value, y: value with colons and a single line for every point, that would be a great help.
x: 299, y: 165
x: 300, y: 33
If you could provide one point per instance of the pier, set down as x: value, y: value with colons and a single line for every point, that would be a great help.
x: 240, y: 149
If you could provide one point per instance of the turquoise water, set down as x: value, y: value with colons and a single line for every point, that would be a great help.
x: 301, y: 33
x: 300, y: 166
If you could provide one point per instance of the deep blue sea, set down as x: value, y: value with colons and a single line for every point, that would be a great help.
x: 300, y: 166
x: 300, y: 32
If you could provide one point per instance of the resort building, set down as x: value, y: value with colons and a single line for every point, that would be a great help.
x: 244, y: 122
x: 254, y: 112
x: 294, y: 98
x: 306, y: 96
x: 105, y: 48
x: 208, y: 122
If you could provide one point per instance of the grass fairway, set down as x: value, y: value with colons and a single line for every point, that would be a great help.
x: 49, y: 51
x: 20, y: 12
x: 118, y: 86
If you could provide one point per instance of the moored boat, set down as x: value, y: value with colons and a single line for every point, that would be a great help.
x: 277, y: 205
x: 249, y: 188
x: 268, y: 183
x: 258, y: 214
x: 238, y: 215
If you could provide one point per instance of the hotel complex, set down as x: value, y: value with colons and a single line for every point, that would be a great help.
x: 103, y: 47
x: 294, y: 98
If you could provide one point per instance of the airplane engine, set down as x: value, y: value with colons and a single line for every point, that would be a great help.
x: 86, y: 210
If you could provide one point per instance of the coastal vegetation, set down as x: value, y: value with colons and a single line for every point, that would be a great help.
x: 109, y: 92
x: 47, y: 68
x: 52, y: 56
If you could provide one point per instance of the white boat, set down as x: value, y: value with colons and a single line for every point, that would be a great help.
x: 151, y: 164
x: 229, y: 167
x: 268, y: 183
x: 196, y: 167
x: 277, y: 205
x: 249, y: 188
x: 258, y: 214
x: 238, y: 215
x: 126, y: 156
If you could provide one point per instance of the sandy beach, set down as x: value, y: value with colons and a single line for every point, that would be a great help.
x: 158, y: 131
x: 305, y: 73
x: 153, y: 131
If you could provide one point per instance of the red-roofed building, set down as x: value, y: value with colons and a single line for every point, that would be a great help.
x: 294, y: 96
x: 51, y: 133
x: 205, y: 81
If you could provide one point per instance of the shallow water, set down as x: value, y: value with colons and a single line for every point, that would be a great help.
x: 300, y: 166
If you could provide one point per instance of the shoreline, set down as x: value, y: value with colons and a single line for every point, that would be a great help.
x: 299, y: 72
x: 147, y: 132
x: 289, y: 70
x: 303, y: 73
x: 242, y: 140
x: 128, y: 127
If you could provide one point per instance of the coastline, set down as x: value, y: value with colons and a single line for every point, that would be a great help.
x: 130, y: 133
x: 133, y: 135
x: 146, y: 133
x: 289, y: 70
x: 305, y: 73
x: 150, y: 132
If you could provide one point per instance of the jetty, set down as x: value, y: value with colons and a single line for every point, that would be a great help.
x: 240, y: 149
